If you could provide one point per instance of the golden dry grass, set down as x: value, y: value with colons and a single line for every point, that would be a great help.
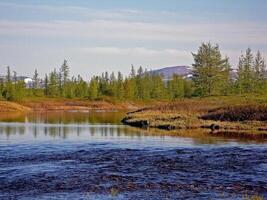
x: 188, y: 114
x: 62, y: 104
x: 6, y: 106
x: 50, y: 104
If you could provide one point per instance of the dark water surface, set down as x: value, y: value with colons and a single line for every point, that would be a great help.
x: 92, y: 156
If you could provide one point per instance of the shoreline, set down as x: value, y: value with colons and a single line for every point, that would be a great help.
x: 185, y: 114
x: 74, y: 105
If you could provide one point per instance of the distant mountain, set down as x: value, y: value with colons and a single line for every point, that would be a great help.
x: 168, y: 72
x: 184, y: 71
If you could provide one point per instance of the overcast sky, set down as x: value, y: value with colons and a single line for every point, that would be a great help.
x: 110, y: 35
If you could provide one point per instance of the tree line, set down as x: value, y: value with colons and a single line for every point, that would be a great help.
x: 212, y: 75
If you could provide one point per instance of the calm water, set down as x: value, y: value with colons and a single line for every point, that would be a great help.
x: 92, y: 156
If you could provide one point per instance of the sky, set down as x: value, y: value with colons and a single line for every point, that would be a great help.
x: 111, y: 35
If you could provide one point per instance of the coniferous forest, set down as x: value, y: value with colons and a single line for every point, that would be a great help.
x: 213, y: 75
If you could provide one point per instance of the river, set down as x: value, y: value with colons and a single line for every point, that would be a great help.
x: 91, y: 155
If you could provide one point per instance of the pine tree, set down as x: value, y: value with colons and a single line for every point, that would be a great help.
x: 248, y: 71
x: 188, y: 89
x: 112, y: 85
x: 81, y: 88
x: 2, y: 87
x: 176, y: 87
x: 8, y: 76
x: 226, y: 79
x: 133, y: 73
x: 35, y: 82
x: 245, y: 79
x: 146, y: 86
x: 46, y: 85
x: 140, y: 83
x: 140, y: 71
x: 208, y: 69
x: 65, y: 72
x: 93, y: 89
x: 103, y: 84
x: 157, y: 87
x: 53, y: 89
x: 14, y: 85
x: 15, y: 77
x: 120, y: 91
x: 9, y: 91
x: 129, y: 86
x: 240, y: 75
x: 20, y: 91
x: 259, y: 73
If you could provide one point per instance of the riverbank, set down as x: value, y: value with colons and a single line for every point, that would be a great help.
x: 238, y: 115
x: 60, y: 104
x: 7, y: 106
x: 242, y: 115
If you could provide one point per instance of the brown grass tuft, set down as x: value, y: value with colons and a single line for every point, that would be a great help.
x: 238, y: 113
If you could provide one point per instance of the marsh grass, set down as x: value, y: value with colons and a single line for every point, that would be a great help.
x: 226, y: 114
x: 238, y: 113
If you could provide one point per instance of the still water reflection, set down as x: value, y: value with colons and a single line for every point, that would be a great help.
x: 89, y: 126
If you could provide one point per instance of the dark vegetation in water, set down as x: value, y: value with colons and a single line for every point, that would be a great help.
x: 238, y: 113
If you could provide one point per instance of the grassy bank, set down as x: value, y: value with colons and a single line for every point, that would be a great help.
x: 62, y: 104
x: 6, y: 106
x: 220, y: 114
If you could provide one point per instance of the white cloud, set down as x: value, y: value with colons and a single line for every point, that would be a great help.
x: 235, y: 33
x: 141, y: 51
